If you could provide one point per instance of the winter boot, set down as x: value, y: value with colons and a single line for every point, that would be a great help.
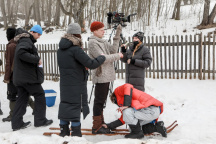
x: 113, y: 125
x: 136, y: 132
x: 158, y: 127
x: 97, y: 126
x: 1, y: 113
x: 64, y: 130
x: 25, y: 125
x: 7, y: 119
x: 76, y: 131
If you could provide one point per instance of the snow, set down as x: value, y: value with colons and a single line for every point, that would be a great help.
x: 190, y: 102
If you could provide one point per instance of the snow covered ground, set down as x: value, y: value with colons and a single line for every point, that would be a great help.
x: 191, y: 102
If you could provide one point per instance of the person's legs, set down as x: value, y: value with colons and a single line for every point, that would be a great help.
x: 76, y: 129
x: 20, y: 108
x: 64, y: 126
x: 37, y: 91
x: 101, y: 92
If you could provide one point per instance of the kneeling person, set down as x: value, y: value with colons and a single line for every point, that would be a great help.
x: 139, y: 110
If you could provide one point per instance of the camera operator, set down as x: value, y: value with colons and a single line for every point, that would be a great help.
x: 137, y: 59
x: 103, y: 75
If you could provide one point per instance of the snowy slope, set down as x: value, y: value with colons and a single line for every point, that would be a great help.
x: 191, y: 102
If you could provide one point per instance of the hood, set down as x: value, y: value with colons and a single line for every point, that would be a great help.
x: 69, y: 40
x: 20, y: 33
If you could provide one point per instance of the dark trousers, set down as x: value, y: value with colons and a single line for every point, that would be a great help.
x: 12, y: 96
x: 101, y: 92
x: 24, y: 91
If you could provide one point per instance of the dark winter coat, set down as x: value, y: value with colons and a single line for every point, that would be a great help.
x: 135, y: 73
x: 72, y: 61
x: 9, y: 58
x: 26, y: 70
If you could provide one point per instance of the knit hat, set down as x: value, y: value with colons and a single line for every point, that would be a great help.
x: 37, y: 29
x: 96, y: 25
x: 139, y: 35
x: 10, y: 33
x: 74, y: 28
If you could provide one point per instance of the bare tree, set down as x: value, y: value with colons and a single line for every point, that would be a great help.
x: 4, y: 13
x: 176, y: 10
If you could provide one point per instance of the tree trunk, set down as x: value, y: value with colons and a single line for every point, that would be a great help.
x: 28, y: 14
x: 149, y: 12
x: 212, y: 16
x: 37, y: 11
x: 174, y: 11
x: 178, y: 10
x: 4, y: 14
x: 158, y: 10
x: 57, y: 14
x: 49, y: 4
x: 205, y: 13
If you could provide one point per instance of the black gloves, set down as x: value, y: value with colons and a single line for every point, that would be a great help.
x: 123, y: 49
x: 132, y: 61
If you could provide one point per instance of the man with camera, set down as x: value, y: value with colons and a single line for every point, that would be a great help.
x: 103, y: 75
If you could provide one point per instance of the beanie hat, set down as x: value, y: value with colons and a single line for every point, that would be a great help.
x: 96, y: 25
x: 37, y: 29
x: 74, y: 28
x: 139, y: 35
x: 10, y: 33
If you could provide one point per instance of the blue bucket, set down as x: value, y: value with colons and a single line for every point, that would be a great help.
x: 50, y: 96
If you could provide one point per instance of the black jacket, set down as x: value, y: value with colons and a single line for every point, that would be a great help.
x: 135, y: 73
x: 26, y: 70
x: 72, y: 61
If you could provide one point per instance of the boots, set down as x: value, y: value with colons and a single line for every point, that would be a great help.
x: 31, y: 104
x: 1, y: 113
x: 64, y: 130
x: 158, y: 127
x: 97, y: 126
x: 136, y: 132
x: 76, y: 131
x: 11, y: 105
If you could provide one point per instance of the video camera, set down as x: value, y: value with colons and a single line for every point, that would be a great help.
x: 118, y: 18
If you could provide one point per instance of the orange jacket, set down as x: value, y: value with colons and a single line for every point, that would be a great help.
x: 127, y: 95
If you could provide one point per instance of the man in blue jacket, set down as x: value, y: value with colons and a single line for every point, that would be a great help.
x: 28, y: 77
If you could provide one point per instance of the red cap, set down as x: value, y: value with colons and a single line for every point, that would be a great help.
x: 96, y: 25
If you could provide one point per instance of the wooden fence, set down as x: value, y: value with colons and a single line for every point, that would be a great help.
x: 174, y: 57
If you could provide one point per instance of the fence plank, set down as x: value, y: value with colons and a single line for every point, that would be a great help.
x: 182, y: 57
x: 173, y: 39
x: 165, y: 57
x: 190, y: 57
x: 177, y: 57
x: 46, y: 66
x: 153, y: 58
x: 150, y: 53
x: 157, y: 59
x: 204, y: 58
x: 169, y: 57
x: 200, y: 57
x: 213, y: 57
x: 186, y: 52
x: 194, y: 57
x: 209, y: 56
x: 161, y: 58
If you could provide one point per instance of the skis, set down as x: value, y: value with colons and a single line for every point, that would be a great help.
x: 114, y: 132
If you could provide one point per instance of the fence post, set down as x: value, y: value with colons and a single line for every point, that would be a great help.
x: 200, y: 56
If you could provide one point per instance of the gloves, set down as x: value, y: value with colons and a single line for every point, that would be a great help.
x: 132, y: 61
x: 114, y: 124
x: 123, y: 49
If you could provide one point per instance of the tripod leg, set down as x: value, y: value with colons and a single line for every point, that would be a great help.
x: 91, y: 93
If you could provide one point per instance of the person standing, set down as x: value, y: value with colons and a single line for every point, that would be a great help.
x: 137, y: 59
x: 8, y: 77
x: 28, y: 77
x: 73, y: 64
x: 103, y: 75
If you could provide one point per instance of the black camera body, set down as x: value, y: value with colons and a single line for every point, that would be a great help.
x: 118, y: 18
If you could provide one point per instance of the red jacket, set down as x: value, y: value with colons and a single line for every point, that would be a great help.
x: 127, y: 95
